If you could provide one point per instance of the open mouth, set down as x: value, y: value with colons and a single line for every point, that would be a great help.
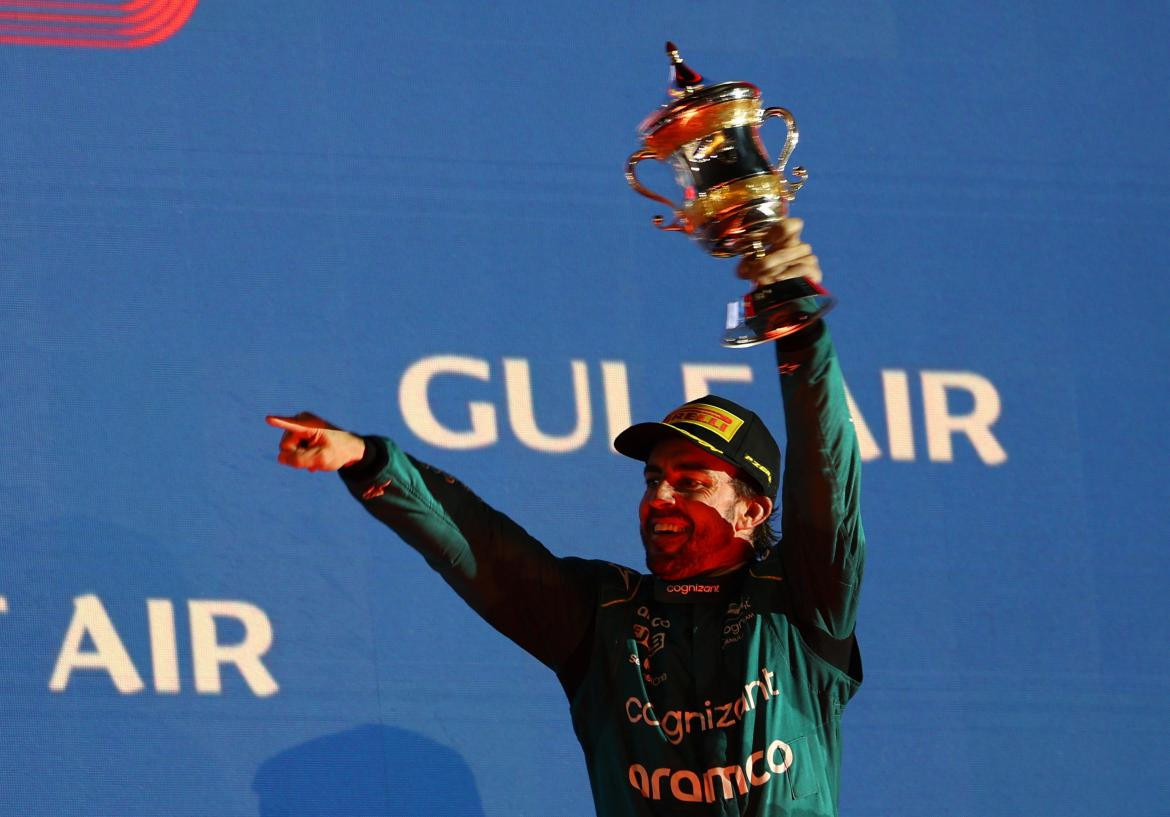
x: 667, y: 531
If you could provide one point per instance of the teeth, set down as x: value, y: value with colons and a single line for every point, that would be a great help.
x: 667, y: 527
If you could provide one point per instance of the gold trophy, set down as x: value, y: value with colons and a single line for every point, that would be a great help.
x: 732, y: 196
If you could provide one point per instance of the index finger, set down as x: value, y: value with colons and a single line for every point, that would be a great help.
x: 287, y: 423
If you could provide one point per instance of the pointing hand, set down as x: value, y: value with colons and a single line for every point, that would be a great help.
x: 312, y: 443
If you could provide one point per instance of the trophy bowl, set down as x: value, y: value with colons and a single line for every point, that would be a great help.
x: 732, y: 195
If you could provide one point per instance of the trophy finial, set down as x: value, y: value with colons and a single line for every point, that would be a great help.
x: 684, y: 80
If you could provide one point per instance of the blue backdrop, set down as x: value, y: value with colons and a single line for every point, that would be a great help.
x: 411, y: 219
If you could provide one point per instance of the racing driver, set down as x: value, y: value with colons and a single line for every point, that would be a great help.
x: 715, y: 684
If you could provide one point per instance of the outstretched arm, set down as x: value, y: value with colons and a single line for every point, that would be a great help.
x: 539, y: 601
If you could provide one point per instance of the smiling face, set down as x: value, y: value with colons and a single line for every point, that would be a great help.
x: 692, y: 520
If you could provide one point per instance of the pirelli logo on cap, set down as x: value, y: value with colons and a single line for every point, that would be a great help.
x: 723, y: 423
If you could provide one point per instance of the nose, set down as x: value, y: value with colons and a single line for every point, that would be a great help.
x: 662, y: 494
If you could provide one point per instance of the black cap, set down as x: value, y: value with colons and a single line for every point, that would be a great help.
x: 726, y: 429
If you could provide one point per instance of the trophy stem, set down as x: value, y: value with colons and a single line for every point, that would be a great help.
x: 774, y: 310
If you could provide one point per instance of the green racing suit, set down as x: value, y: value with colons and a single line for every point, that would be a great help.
x: 710, y: 696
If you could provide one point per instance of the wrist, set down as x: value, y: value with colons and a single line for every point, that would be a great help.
x: 373, y: 460
x: 355, y: 450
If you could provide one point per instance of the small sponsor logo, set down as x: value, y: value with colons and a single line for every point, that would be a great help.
x: 651, y: 637
x: 710, y: 417
x: 739, y: 618
x: 70, y: 24
x: 686, y: 589
x: 767, y: 473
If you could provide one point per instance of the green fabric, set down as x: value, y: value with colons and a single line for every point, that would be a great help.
x: 683, y: 704
x: 715, y: 707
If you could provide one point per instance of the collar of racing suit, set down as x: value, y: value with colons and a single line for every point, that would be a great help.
x: 698, y: 589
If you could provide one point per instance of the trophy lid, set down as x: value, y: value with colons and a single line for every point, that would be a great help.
x: 684, y: 79
x: 687, y: 96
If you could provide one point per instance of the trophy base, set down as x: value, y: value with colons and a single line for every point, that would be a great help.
x: 774, y: 311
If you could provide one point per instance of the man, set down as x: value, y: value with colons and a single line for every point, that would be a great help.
x: 715, y: 685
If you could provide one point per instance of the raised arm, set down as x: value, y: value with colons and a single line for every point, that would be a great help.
x: 539, y: 601
x: 823, y: 546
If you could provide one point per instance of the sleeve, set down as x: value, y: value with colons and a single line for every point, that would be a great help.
x: 823, y: 545
x: 541, y: 602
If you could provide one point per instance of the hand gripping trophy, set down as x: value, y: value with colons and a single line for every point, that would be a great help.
x: 732, y: 195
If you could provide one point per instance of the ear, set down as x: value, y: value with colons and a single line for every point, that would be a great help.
x: 754, y: 512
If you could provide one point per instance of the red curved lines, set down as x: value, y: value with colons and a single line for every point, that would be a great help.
x: 130, y: 24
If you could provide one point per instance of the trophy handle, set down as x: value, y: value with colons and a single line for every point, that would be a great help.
x: 800, y: 174
x: 632, y: 178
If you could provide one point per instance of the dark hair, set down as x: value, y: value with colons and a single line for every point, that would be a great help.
x: 764, y: 536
